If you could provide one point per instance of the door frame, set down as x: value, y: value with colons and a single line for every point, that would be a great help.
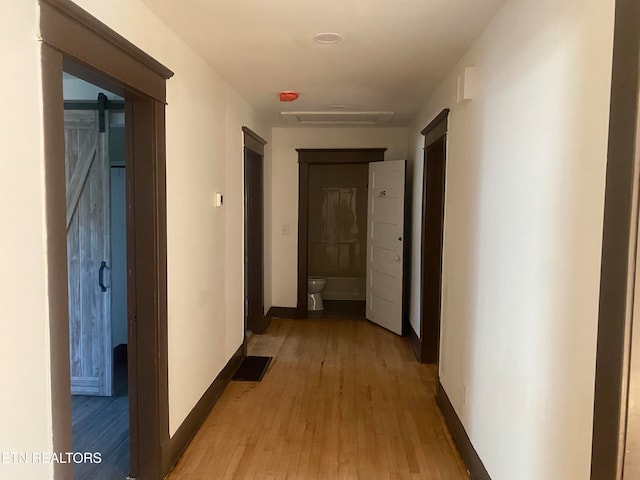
x: 319, y: 156
x: 75, y: 42
x: 619, y: 250
x: 427, y: 346
x: 255, y: 144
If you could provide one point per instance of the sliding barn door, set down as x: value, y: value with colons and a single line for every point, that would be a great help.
x: 89, y: 253
x: 385, y: 232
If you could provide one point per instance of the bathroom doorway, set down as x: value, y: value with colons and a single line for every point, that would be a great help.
x: 332, y: 229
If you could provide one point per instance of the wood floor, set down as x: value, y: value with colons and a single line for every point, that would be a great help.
x: 342, y: 309
x: 101, y: 424
x: 342, y: 399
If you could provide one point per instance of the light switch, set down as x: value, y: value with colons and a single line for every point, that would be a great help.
x: 285, y: 229
x: 219, y: 199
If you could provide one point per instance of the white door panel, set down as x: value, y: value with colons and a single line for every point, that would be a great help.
x: 383, y: 234
x: 385, y: 237
x: 385, y: 286
x: 384, y: 209
x: 386, y: 261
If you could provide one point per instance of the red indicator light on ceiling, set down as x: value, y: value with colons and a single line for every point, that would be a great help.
x: 288, y: 96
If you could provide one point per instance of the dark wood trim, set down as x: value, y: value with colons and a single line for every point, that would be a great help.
x: 303, y: 238
x: 416, y: 345
x: 76, y: 42
x: 434, y: 176
x: 175, y: 447
x: 132, y: 307
x: 106, y: 58
x: 617, y: 267
x: 319, y: 156
x: 77, y: 16
x: 471, y: 458
x: 283, y: 312
x: 443, y: 115
x: 253, y: 141
x: 406, y: 256
x: 113, y: 105
x: 255, y: 320
x: 340, y: 155
x: 56, y: 238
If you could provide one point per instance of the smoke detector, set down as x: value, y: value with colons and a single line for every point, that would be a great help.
x: 327, y: 38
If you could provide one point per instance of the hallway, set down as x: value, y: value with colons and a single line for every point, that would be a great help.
x: 341, y: 399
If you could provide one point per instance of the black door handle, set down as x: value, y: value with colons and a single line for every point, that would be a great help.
x: 103, y: 265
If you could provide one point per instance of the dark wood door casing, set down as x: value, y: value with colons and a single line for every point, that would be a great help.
x: 617, y: 267
x: 256, y: 321
x: 75, y: 42
x: 254, y: 241
x: 433, y: 216
x: 433, y: 206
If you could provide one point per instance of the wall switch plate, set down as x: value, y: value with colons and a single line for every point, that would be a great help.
x: 219, y: 199
x: 285, y: 229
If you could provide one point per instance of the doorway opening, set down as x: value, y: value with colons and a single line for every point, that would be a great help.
x: 96, y: 259
x: 427, y: 346
x: 319, y: 235
x: 77, y: 43
x: 351, y: 236
x: 255, y: 319
x: 337, y: 239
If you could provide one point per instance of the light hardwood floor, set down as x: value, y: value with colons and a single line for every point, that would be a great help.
x: 342, y: 399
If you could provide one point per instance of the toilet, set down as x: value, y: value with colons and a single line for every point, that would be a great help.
x: 315, y: 285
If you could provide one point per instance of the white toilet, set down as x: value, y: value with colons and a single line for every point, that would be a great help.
x: 315, y: 285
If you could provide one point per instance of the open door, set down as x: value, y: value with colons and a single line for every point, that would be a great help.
x: 88, y: 252
x: 385, y: 239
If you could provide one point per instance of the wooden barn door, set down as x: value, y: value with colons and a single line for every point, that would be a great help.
x: 89, y: 252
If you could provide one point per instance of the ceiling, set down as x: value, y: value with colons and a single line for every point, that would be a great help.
x: 392, y: 57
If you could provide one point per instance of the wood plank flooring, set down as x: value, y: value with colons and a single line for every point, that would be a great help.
x: 101, y: 424
x: 342, y: 399
x: 342, y: 309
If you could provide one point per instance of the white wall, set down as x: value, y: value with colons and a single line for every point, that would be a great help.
x: 25, y: 402
x: 523, y: 227
x: 205, y: 260
x: 284, y: 188
x: 205, y: 252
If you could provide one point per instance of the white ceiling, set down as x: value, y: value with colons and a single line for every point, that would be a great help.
x: 393, y: 54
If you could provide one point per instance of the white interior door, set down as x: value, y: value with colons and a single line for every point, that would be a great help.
x: 88, y: 252
x: 385, y: 238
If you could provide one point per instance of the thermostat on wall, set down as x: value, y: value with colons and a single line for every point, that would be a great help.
x: 219, y: 199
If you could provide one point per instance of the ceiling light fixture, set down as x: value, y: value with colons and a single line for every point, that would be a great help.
x: 327, y: 38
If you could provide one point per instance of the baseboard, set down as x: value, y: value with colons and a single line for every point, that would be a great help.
x: 458, y: 433
x: 173, y: 449
x: 283, y: 312
x: 416, y: 344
